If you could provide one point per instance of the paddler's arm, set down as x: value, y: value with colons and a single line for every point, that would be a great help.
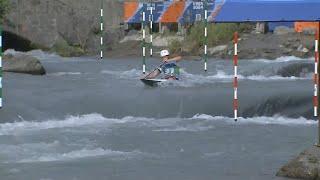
x: 152, y: 75
x: 177, y: 58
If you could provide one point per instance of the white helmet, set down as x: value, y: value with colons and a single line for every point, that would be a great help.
x: 164, y: 53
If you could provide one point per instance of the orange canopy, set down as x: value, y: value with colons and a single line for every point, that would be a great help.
x: 300, y: 26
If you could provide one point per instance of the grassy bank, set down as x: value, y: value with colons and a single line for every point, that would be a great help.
x: 217, y: 34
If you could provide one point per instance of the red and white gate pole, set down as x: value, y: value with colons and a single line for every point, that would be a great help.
x: 316, y: 80
x: 316, y: 76
x: 235, y: 81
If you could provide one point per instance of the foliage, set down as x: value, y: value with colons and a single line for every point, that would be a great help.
x: 217, y: 34
x: 4, y: 8
x: 175, y: 46
x: 64, y: 49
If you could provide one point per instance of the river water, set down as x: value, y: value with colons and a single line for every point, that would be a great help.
x: 89, y: 119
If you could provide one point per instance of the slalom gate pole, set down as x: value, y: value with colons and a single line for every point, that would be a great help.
x: 235, y: 81
x: 143, y: 40
x: 205, y: 35
x: 101, y: 30
x: 0, y: 67
x: 151, y: 29
x: 317, y: 79
x: 315, y: 96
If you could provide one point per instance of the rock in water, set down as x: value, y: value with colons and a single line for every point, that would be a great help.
x: 22, y: 63
x: 305, y: 166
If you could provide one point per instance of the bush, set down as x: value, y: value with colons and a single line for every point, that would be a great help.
x: 175, y: 46
x: 4, y: 8
x: 62, y: 48
x: 217, y: 34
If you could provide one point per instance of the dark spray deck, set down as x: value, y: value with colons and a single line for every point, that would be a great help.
x: 88, y: 118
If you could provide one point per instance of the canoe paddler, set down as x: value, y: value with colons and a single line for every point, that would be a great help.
x: 168, y: 67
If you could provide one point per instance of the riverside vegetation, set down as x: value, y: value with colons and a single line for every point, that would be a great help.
x: 218, y: 34
x: 4, y: 8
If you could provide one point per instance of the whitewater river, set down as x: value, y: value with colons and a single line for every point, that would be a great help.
x: 88, y: 119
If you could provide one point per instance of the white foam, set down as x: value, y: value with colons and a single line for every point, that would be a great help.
x: 192, y: 80
x: 36, y: 53
x: 71, y: 121
x: 275, y: 120
x: 79, y: 154
x: 11, y: 52
x: 168, y: 124
x: 189, y: 128
x: 130, y: 74
x: 42, y: 54
x: 285, y: 59
x: 16, y: 127
x: 65, y: 73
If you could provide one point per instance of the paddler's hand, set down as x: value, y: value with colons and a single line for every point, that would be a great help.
x: 144, y: 76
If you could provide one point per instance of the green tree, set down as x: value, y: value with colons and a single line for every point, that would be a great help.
x: 4, y: 8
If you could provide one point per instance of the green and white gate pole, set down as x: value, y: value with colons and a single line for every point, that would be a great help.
x: 205, y: 35
x: 0, y: 67
x: 143, y: 23
x: 101, y: 31
x: 151, y: 29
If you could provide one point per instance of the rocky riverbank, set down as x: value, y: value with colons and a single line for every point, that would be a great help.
x: 72, y: 28
x: 67, y: 27
x: 305, y: 166
x: 251, y: 46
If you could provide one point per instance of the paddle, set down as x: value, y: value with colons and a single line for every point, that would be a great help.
x: 153, y: 70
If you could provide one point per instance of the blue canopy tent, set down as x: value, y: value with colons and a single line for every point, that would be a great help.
x: 267, y: 10
x: 234, y: 10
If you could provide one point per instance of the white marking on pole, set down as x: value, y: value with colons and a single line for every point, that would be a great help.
x: 151, y: 17
x: 143, y: 51
x: 0, y: 60
x: 205, y: 32
x: 315, y: 90
x: 0, y: 41
x: 151, y: 52
x: 143, y: 16
x: 206, y: 14
x: 315, y: 111
x: 235, y: 114
x: 101, y: 40
x: 316, y: 68
x: 101, y: 26
x: 101, y: 54
x: 205, y: 49
x: 143, y: 33
x: 101, y: 12
x: 151, y: 38
x: 235, y: 93
x: 235, y: 71
x: 235, y: 49
x: 205, y: 66
x: 316, y: 46
x: 144, y: 68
